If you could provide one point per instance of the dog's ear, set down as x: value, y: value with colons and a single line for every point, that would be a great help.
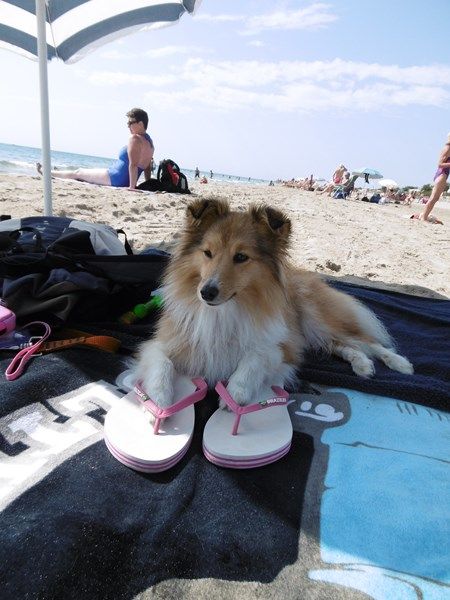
x: 203, y: 212
x: 275, y: 219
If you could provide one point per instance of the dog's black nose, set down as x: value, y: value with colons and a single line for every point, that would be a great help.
x: 209, y: 292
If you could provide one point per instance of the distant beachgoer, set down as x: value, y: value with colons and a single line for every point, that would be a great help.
x: 338, y: 178
x: 211, y: 174
x: 338, y: 175
x: 134, y: 158
x: 410, y: 197
x: 197, y: 172
x: 440, y: 180
x: 306, y: 184
x: 203, y: 180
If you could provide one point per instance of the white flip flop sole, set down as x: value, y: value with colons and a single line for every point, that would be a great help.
x: 263, y: 437
x: 129, y: 435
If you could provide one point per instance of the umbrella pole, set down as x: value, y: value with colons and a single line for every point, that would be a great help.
x: 45, y: 119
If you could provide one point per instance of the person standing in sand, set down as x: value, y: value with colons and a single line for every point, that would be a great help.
x: 134, y: 158
x: 440, y: 180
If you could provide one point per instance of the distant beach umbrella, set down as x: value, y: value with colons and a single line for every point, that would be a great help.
x: 368, y: 173
x: 69, y: 29
x: 387, y: 183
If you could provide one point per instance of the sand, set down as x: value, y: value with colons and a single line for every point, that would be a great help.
x: 369, y: 244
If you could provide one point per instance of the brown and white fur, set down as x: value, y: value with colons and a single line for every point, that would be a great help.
x: 235, y: 309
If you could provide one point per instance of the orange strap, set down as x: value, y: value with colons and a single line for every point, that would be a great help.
x: 80, y: 338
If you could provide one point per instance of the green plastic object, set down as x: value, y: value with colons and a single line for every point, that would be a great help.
x: 142, y: 310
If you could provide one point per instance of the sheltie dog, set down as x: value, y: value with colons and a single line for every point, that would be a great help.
x: 235, y: 309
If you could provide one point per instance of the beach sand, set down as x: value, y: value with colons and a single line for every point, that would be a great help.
x: 368, y: 244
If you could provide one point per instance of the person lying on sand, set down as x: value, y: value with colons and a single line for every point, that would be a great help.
x: 134, y: 158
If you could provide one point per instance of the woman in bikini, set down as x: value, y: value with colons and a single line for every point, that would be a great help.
x: 440, y: 180
x: 336, y: 179
x: 338, y: 175
x: 134, y: 158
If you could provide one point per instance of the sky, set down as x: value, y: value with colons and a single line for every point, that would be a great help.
x: 258, y: 88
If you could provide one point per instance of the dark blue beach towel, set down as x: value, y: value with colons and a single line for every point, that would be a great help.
x: 421, y: 330
x: 357, y: 509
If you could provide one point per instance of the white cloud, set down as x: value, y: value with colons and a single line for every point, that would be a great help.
x: 172, y: 51
x: 306, y: 97
x: 117, y: 55
x: 256, y: 43
x: 314, y: 97
x: 340, y: 72
x: 218, y: 18
x: 162, y: 52
x: 287, y: 86
x: 115, y: 78
x: 315, y: 16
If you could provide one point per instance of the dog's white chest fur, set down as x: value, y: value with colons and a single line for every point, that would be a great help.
x: 219, y: 337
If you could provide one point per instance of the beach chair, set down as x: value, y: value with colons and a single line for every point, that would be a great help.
x: 342, y: 191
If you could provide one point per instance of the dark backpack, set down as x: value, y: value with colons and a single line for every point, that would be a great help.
x: 169, y: 179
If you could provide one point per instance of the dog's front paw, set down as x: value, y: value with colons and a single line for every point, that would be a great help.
x: 239, y: 392
x: 160, y: 390
x: 363, y: 366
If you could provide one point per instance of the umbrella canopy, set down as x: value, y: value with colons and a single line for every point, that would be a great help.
x: 388, y: 183
x: 371, y: 173
x: 69, y: 29
x: 75, y: 27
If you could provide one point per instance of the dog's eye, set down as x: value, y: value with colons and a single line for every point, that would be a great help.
x: 240, y: 258
x: 207, y: 253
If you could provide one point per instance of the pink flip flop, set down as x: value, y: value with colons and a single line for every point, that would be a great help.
x: 152, y: 448
x: 249, y: 436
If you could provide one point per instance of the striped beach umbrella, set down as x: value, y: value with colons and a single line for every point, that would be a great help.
x: 68, y: 30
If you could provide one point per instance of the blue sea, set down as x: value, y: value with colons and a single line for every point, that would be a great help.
x: 22, y: 160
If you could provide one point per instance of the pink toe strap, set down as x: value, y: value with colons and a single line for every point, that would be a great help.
x: 161, y: 413
x: 280, y: 399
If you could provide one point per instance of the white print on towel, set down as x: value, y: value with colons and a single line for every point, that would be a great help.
x: 37, y: 438
x: 377, y: 493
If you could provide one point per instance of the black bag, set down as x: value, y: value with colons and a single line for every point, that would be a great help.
x: 169, y: 179
x: 52, y: 269
x: 150, y: 185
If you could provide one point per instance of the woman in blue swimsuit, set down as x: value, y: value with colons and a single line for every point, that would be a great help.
x: 134, y: 158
